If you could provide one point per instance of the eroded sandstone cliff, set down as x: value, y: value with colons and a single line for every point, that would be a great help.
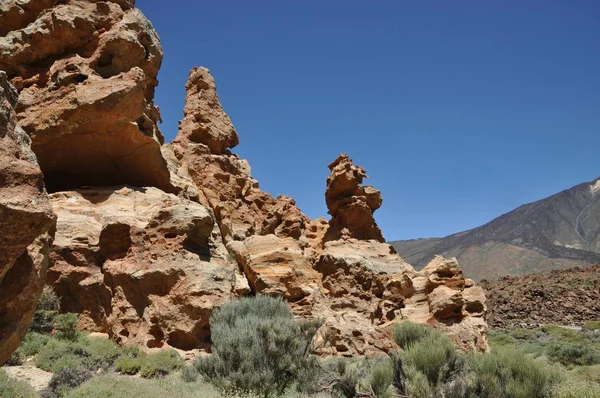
x: 86, y: 72
x: 26, y: 226
x: 150, y: 238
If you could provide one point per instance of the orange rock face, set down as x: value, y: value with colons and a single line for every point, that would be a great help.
x: 145, y: 266
x: 26, y: 226
x: 224, y: 180
x: 86, y: 72
x: 351, y: 206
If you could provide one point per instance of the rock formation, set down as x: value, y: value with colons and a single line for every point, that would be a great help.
x: 26, y: 226
x: 350, y: 205
x: 86, y: 72
x: 151, y: 238
x: 143, y: 265
x: 224, y: 180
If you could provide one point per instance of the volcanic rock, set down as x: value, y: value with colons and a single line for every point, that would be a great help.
x: 86, y: 72
x: 350, y: 205
x: 560, y: 297
x: 26, y: 226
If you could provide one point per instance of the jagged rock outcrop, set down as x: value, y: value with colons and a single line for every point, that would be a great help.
x: 224, y: 180
x: 350, y: 205
x: 140, y: 264
x: 26, y: 226
x: 86, y: 73
x: 150, y: 238
x: 445, y: 300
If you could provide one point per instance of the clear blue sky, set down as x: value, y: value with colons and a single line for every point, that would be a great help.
x: 459, y: 110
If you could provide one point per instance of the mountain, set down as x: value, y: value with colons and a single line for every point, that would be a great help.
x: 561, y: 231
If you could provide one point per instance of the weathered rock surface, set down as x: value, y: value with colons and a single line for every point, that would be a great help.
x: 448, y: 302
x: 350, y: 205
x: 26, y: 226
x: 142, y: 265
x: 276, y: 266
x: 86, y: 72
x: 369, y: 287
x: 225, y: 182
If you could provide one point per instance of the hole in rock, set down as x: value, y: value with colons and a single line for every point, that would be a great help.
x: 474, y: 308
x: 182, y: 340
x: 159, y: 337
x: 78, y: 79
x: 101, y: 154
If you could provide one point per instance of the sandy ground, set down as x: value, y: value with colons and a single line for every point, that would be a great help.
x: 28, y: 373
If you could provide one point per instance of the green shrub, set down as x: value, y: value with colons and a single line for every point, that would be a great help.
x: 58, y: 354
x: 573, y: 354
x: 64, y: 380
x: 407, y: 333
x: 46, y: 310
x: 160, y: 364
x: 102, y: 352
x: 115, y: 386
x: 435, y: 356
x: 510, y: 374
x: 346, y: 378
x: 130, y: 361
x: 592, y: 325
x: 90, y: 353
x: 65, y: 326
x: 189, y: 374
x: 128, y: 365
x: 31, y: 345
x: 576, y: 389
x: 382, y: 376
x: 587, y: 373
x: 501, y: 340
x: 258, y: 347
x: 523, y: 334
x: 10, y: 388
x: 417, y: 385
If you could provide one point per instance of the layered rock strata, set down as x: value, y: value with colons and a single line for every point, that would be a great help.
x: 26, y: 226
x: 86, y: 73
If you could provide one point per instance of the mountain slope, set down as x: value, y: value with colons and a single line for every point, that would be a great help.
x: 561, y: 231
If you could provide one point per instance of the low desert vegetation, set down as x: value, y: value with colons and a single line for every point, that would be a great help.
x: 261, y: 351
x: 258, y: 348
x: 10, y: 388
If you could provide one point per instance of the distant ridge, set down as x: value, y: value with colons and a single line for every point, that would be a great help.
x: 561, y: 231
